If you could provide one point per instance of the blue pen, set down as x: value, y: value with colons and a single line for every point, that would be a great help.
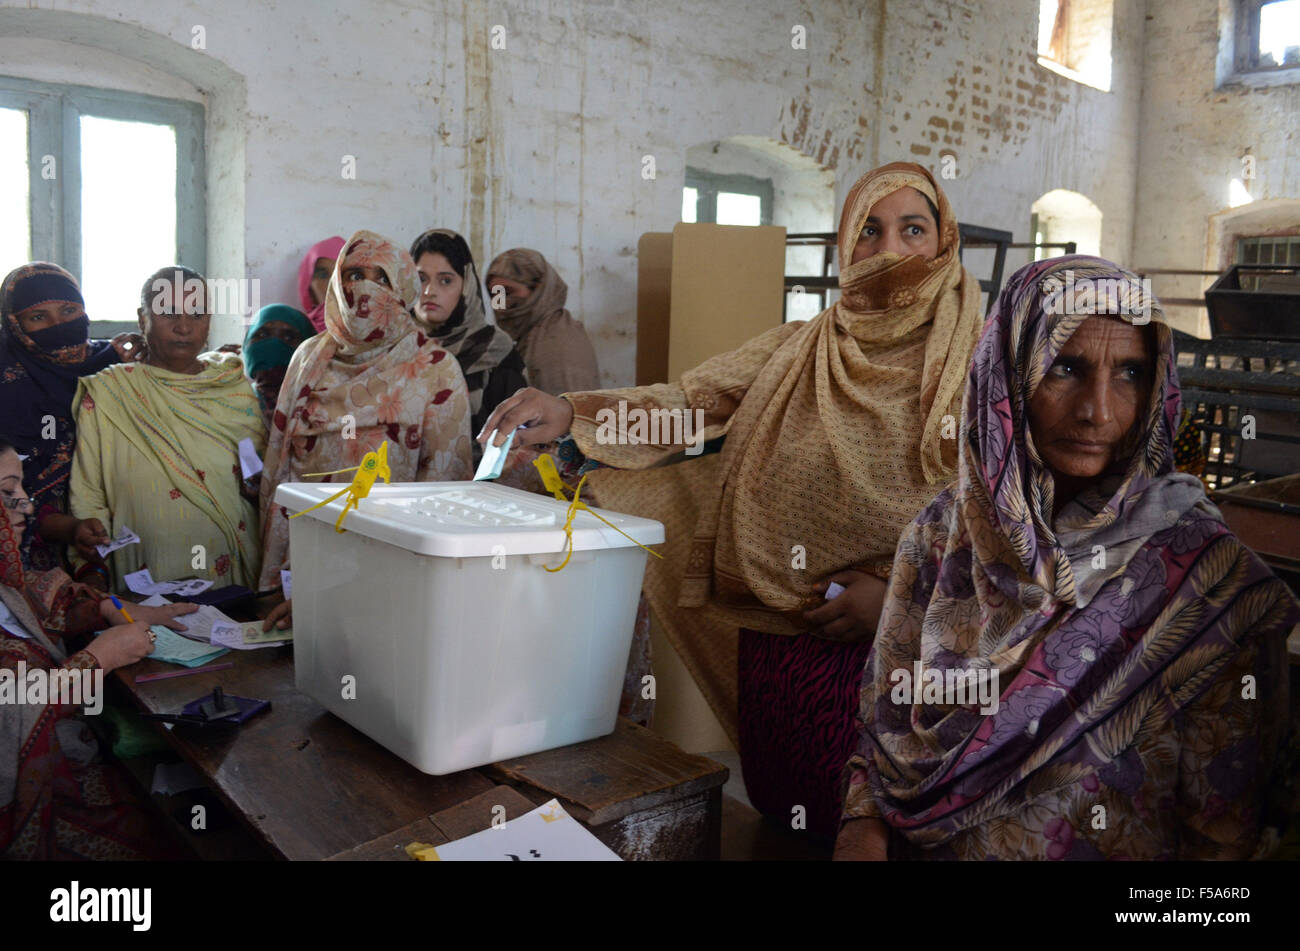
x: 118, y: 604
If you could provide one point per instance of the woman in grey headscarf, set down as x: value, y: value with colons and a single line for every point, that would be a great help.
x: 530, y: 307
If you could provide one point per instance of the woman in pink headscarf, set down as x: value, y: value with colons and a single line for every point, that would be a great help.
x: 314, y: 276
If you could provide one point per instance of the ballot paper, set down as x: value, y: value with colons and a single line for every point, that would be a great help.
x: 248, y: 635
x: 200, y: 625
x: 123, y: 538
x: 494, y: 457
x: 547, y: 834
x: 141, y: 582
x: 174, y: 649
x: 834, y: 590
x: 286, y: 582
x: 249, y: 462
x: 211, y: 627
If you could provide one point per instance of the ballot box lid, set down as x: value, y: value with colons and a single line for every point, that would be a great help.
x: 468, y: 519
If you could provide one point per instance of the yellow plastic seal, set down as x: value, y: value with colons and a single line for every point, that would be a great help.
x: 422, y: 852
x: 555, y: 485
x: 374, y: 465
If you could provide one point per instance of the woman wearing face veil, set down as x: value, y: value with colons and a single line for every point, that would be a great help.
x: 44, y: 351
x: 838, y: 430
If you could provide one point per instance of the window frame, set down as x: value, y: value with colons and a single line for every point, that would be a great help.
x: 1245, y: 49
x: 54, y: 112
x: 708, y: 184
x: 1272, y: 241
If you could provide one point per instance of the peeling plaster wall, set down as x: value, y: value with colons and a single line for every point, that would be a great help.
x: 541, y: 144
x: 1193, y: 137
x: 973, y: 87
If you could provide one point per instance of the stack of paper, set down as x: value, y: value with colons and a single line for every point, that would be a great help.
x: 209, y: 625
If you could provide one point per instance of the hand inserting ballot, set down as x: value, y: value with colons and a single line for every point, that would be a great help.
x: 544, y: 418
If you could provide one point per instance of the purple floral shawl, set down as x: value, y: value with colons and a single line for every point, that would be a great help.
x: 1088, y: 656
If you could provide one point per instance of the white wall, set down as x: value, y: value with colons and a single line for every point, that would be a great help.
x: 542, y: 143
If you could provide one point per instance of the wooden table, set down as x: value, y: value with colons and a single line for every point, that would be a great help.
x: 309, y: 786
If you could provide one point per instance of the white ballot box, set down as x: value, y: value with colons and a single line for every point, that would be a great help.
x: 432, y: 625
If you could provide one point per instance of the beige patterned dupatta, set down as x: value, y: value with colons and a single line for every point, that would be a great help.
x: 838, y: 430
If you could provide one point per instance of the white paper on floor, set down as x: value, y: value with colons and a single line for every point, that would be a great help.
x: 547, y: 834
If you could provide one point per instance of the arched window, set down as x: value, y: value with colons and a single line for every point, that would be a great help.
x: 751, y: 180
x: 1062, y: 216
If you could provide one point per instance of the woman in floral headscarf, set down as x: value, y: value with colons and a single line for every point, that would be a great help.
x: 1131, y: 647
x: 837, y: 431
x: 372, y: 368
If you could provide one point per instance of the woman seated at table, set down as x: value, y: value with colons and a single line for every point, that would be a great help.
x: 275, y: 333
x: 450, y: 306
x: 45, y: 348
x: 158, y: 443
x: 58, y: 798
x: 1133, y: 647
x: 837, y: 430
x: 528, y: 298
x: 373, y: 376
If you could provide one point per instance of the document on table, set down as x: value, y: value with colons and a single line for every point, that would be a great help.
x: 123, y: 538
x: 547, y: 834
x: 141, y: 582
x: 174, y: 649
x: 201, y: 625
x: 248, y: 635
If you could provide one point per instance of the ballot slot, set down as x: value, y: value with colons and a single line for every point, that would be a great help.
x: 470, y: 508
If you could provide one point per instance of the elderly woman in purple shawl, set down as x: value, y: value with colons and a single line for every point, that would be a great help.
x: 1077, y: 659
x: 45, y: 348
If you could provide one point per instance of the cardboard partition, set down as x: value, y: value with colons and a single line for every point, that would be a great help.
x: 703, y: 290
x: 728, y: 282
x: 654, y: 264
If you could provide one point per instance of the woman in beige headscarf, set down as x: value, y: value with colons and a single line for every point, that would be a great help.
x: 528, y: 300
x: 838, y: 430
